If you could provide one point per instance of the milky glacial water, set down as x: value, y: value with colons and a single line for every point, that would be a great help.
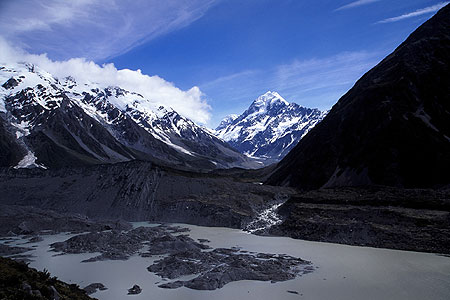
x: 344, y: 272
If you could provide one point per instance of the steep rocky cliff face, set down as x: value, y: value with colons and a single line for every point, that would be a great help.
x: 392, y: 128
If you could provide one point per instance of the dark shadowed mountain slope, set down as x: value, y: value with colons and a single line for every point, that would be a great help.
x: 392, y: 128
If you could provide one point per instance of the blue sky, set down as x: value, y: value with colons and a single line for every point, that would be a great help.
x: 311, y: 52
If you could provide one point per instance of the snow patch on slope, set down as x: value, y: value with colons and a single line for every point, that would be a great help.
x: 29, y: 161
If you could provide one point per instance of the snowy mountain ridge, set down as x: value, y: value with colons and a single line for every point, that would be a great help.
x: 104, y: 124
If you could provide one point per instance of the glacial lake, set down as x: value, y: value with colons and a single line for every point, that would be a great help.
x: 343, y: 272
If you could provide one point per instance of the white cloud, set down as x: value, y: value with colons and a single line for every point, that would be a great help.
x: 356, y: 4
x: 95, y: 29
x: 314, y: 73
x: 419, y: 12
x: 315, y: 79
x: 190, y: 103
x: 228, y: 78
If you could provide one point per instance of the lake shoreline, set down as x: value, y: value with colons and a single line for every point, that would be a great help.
x: 339, y: 271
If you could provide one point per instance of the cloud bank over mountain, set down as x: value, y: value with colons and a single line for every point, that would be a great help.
x: 190, y: 103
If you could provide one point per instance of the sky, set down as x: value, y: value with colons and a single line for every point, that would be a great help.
x: 210, y: 58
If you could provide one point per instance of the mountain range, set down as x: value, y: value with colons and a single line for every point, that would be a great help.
x: 374, y: 172
x: 51, y: 122
x: 269, y: 128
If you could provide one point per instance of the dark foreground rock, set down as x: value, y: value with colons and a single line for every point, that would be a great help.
x: 135, y: 290
x: 94, y: 287
x: 18, y: 281
x: 220, y: 266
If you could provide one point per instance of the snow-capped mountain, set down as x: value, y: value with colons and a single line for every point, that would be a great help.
x: 51, y: 122
x: 269, y: 128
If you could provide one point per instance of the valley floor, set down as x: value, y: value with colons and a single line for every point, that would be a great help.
x: 406, y: 219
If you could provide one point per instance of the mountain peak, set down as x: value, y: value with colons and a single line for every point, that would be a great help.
x: 267, y: 129
x: 266, y: 102
x: 270, y: 98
